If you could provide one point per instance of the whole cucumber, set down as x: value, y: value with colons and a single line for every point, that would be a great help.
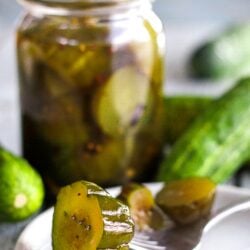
x: 217, y: 143
x: 226, y: 55
x: 180, y: 112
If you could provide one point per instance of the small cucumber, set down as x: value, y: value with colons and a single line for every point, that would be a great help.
x: 225, y: 56
x: 21, y: 188
x: 217, y: 143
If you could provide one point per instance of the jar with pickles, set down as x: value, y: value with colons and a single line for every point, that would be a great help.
x: 90, y: 80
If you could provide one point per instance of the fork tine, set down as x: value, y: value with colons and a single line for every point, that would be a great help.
x: 140, y: 236
x: 133, y: 246
x: 148, y: 242
x: 143, y: 242
x: 148, y: 245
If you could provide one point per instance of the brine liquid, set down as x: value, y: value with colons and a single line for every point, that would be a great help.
x: 90, y: 110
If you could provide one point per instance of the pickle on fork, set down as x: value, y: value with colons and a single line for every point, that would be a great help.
x: 87, y: 217
x: 187, y: 200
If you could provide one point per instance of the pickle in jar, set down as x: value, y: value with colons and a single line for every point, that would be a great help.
x: 81, y: 63
x: 121, y: 103
x: 95, y: 160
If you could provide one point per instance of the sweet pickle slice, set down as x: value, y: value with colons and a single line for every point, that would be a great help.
x: 158, y: 43
x: 77, y: 219
x: 121, y: 103
x: 84, y: 65
x: 144, y: 211
x: 39, y: 68
x: 86, y: 217
x: 78, y: 66
x: 103, y: 160
x: 92, y: 160
x: 187, y: 200
x: 61, y: 121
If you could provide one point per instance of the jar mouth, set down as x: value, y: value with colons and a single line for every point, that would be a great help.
x: 65, y: 7
x: 79, y: 3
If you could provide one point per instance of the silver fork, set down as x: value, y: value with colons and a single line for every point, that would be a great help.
x: 143, y: 242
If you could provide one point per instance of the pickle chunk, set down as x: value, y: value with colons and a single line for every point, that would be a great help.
x: 122, y: 102
x: 86, y: 217
x: 144, y: 211
x: 187, y: 200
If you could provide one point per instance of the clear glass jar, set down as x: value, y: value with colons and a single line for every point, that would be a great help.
x: 91, y: 77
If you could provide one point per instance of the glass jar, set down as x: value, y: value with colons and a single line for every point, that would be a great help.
x: 91, y: 77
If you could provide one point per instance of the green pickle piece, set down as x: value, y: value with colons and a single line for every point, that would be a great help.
x: 62, y: 123
x: 121, y: 103
x: 61, y: 116
x: 84, y: 65
x: 81, y: 54
x: 79, y: 66
x: 103, y: 160
x: 57, y: 112
x: 87, y: 217
x: 88, y: 159
x: 144, y: 211
x: 158, y: 42
x: 188, y: 200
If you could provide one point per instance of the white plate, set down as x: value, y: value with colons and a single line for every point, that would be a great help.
x: 36, y: 236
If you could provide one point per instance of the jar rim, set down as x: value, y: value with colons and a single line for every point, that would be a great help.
x: 64, y: 7
x: 74, y: 4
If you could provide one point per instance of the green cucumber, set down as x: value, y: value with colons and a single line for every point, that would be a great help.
x: 226, y: 55
x: 217, y: 143
x: 21, y: 188
x: 180, y: 112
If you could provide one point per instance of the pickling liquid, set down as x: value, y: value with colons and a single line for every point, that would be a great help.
x: 90, y: 100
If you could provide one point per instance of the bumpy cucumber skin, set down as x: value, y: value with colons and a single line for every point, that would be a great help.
x: 17, y: 177
x: 227, y: 55
x: 179, y: 114
x: 217, y: 144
